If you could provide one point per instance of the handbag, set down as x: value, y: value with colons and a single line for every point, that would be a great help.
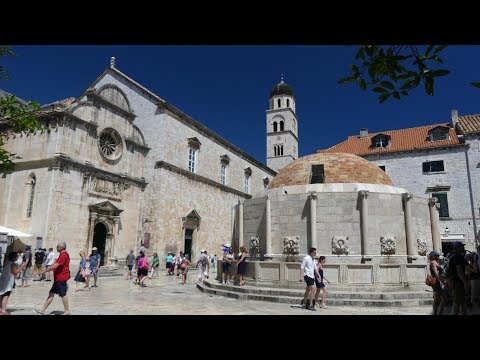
x: 431, y: 280
x: 85, y: 272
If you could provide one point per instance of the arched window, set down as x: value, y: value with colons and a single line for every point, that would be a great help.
x: 31, y: 185
x: 275, y: 150
x: 281, y: 125
x: 274, y: 126
x: 279, y: 103
x: 281, y: 149
x: 288, y: 102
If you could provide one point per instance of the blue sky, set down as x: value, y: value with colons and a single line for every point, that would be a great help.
x: 226, y: 88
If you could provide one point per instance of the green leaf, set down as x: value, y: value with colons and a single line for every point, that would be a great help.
x: 438, y: 60
x: 363, y: 84
x: 383, y: 97
x: 387, y: 84
x: 396, y: 95
x: 429, y: 85
x: 360, y: 54
x: 440, y: 72
x: 440, y: 48
x: 345, y: 80
x: 379, y: 89
x: 476, y: 84
x: 404, y: 93
x: 429, y: 49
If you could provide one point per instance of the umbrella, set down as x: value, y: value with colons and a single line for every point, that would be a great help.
x: 12, y: 232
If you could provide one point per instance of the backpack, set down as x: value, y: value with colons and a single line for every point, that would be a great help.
x: 204, y: 261
x: 212, y: 260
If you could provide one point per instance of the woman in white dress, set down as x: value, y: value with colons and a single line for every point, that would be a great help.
x: 7, y: 280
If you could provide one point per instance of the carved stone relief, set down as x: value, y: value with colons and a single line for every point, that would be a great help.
x: 422, y: 247
x: 290, y: 245
x: 387, y: 244
x: 340, y: 246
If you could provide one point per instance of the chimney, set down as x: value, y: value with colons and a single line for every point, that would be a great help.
x: 363, y: 133
x: 454, y: 118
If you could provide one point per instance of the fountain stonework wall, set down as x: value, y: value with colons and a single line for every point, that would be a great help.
x: 371, y: 232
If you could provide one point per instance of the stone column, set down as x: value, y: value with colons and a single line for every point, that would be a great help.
x: 240, y: 223
x: 116, y: 227
x: 364, y: 221
x: 434, y: 222
x: 313, y: 218
x: 268, y: 225
x: 408, y: 224
x: 93, y: 218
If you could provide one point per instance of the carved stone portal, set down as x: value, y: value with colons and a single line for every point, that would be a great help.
x: 340, y: 246
x: 422, y: 247
x: 387, y: 244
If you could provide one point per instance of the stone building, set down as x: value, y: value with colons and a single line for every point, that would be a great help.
x: 118, y: 166
x: 370, y: 231
x: 438, y: 160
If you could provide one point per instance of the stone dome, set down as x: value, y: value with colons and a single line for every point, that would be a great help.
x: 338, y: 168
x: 282, y: 89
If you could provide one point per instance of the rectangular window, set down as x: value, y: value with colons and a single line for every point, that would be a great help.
x: 246, y: 187
x: 192, y: 155
x: 442, y: 199
x: 223, y: 174
x: 382, y: 167
x: 317, y: 174
x: 433, y: 166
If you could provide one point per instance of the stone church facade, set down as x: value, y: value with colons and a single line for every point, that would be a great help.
x: 118, y: 167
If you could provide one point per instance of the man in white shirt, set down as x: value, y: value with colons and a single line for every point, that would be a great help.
x: 307, y: 270
x: 50, y: 261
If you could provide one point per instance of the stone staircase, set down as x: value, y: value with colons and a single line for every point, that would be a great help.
x: 377, y: 296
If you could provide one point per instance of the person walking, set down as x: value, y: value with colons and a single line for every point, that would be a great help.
x: 50, y: 261
x: 307, y: 269
x: 94, y: 260
x: 439, y: 295
x: 184, y: 264
x: 82, y: 276
x: 214, y: 263
x: 61, y: 274
x: 142, y: 271
x: 319, y: 283
x: 460, y: 283
x: 27, y: 257
x: 202, y: 265
x: 7, y: 280
x: 168, y: 263
x: 130, y: 259
x: 154, y: 265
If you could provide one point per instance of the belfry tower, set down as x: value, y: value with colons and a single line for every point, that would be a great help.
x: 282, y: 127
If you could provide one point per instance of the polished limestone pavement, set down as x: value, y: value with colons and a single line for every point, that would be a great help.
x: 167, y: 296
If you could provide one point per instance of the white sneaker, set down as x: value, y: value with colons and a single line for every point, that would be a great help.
x: 38, y: 312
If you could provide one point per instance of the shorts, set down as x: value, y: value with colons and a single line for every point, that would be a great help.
x: 169, y: 265
x: 60, y: 288
x: 130, y: 267
x: 143, y: 272
x: 93, y: 271
x: 225, y: 267
x: 25, y: 273
x: 310, y: 281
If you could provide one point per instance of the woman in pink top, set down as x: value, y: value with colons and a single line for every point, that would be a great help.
x: 142, y: 269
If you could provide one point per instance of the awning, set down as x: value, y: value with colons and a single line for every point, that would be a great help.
x: 12, y: 232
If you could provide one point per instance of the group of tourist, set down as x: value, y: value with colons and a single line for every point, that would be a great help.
x: 458, y: 278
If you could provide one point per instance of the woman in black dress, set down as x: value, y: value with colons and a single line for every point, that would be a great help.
x: 242, y: 266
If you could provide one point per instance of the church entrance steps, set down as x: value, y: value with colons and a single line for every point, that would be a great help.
x: 367, y: 296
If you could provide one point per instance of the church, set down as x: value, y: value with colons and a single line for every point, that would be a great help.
x: 119, y: 167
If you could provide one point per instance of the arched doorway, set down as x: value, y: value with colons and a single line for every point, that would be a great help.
x: 99, y: 240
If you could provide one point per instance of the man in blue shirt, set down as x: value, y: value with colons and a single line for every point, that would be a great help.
x: 94, y: 260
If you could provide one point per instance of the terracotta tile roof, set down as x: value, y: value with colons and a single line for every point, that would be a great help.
x: 338, y: 168
x: 400, y: 140
x: 469, y: 123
